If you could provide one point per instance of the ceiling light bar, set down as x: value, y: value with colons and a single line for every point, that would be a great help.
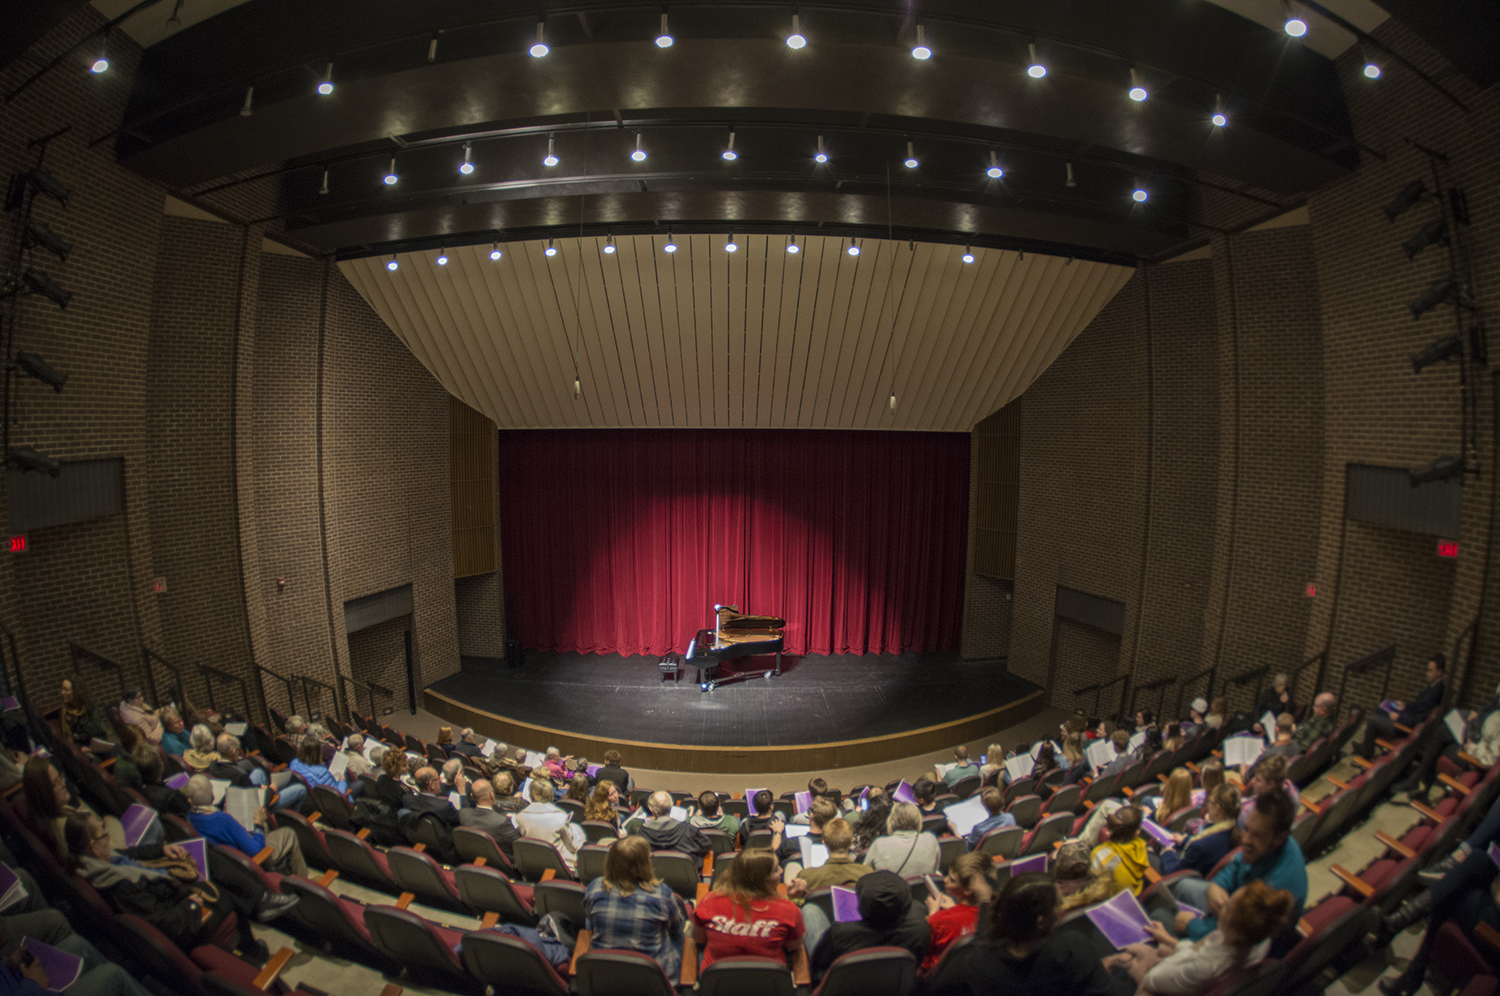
x: 324, y: 188
x: 796, y: 39
x: 326, y: 87
x: 1070, y: 182
x: 539, y: 49
x: 664, y: 39
x: 920, y: 49
x: 466, y: 167
x: 1295, y: 25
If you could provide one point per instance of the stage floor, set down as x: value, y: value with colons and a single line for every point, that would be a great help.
x: 816, y: 699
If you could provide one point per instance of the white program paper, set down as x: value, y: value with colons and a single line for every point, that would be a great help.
x: 1136, y: 741
x: 488, y: 750
x: 1019, y: 767
x: 795, y: 830
x: 966, y: 815
x: 534, y: 760
x: 220, y: 786
x: 678, y: 813
x: 236, y: 729
x: 1268, y: 723
x: 813, y: 855
x: 242, y: 803
x: 370, y: 744
x: 1457, y: 725
x: 339, y: 765
x: 1242, y: 750
x: 456, y: 799
x: 943, y: 769
x: 1101, y: 753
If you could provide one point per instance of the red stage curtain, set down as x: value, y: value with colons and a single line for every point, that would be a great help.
x: 621, y: 541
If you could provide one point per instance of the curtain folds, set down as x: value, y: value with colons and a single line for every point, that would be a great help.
x: 621, y: 541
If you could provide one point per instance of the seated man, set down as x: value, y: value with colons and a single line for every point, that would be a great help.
x: 839, y: 869
x: 219, y: 827
x: 354, y: 750
x: 961, y: 770
x: 1274, y: 700
x: 507, y: 800
x: 785, y: 847
x: 994, y: 804
x: 431, y: 798
x: 711, y: 816
x: 1123, y: 760
x: 484, y: 816
x: 817, y: 788
x: 1265, y: 774
x: 1481, y: 734
x: 544, y: 820
x: 1319, y: 725
x: 469, y: 744
x: 823, y: 812
x: 451, y: 770
x: 174, y: 737
x: 1266, y: 853
x: 614, y: 772
x: 666, y: 834
x: 887, y: 916
x: 1382, y: 723
x: 1284, y: 744
x: 309, y: 765
x: 100, y: 976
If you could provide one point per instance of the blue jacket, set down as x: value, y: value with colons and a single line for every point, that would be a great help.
x: 984, y: 826
x: 221, y: 828
x: 318, y: 774
x: 175, y: 744
x: 1200, y: 854
x: 1283, y: 869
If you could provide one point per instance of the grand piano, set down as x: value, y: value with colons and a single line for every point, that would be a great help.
x: 734, y: 635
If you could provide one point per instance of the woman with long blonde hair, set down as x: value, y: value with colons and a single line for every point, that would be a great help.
x: 629, y: 908
x: 1177, y: 795
x: 743, y: 915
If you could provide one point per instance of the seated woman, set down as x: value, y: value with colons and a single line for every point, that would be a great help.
x: 1218, y: 711
x: 872, y: 822
x: 81, y: 718
x: 545, y: 820
x: 742, y: 915
x: 1073, y: 761
x: 956, y: 912
x: 1151, y: 746
x: 603, y: 804
x: 125, y: 772
x: 994, y: 761
x: 1220, y: 835
x: 578, y: 789
x: 926, y: 791
x: 1124, y: 854
x: 163, y: 797
x: 906, y: 849
x: 1019, y: 953
x: 309, y: 765
x: 394, y: 782
x: 1175, y: 967
x: 1046, y: 761
x: 1178, y: 794
x: 1210, y: 776
x: 174, y: 907
x: 135, y: 712
x: 49, y: 803
x: 628, y: 908
x: 1266, y: 774
x: 200, y: 756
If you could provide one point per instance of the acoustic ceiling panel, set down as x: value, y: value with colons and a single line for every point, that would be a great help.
x: 758, y: 338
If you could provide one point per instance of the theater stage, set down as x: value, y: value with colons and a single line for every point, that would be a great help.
x: 820, y: 713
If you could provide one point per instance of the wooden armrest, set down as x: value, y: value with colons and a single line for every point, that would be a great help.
x: 1404, y: 729
x: 1455, y: 784
x: 281, y: 767
x: 1304, y: 928
x: 108, y: 763
x: 317, y: 814
x: 1353, y: 881
x: 489, y: 920
x: 363, y: 833
x: 689, y: 961
x: 801, y: 972
x: 1057, y: 844
x: 1128, y: 791
x: 549, y: 874
x: 1362, y: 762
x: 1087, y: 804
x: 207, y: 912
x: 405, y: 900
x: 328, y: 877
x: 1488, y: 934
x: 703, y: 888
x: 1162, y: 779
x: 1468, y: 758
x: 391, y: 989
x: 581, y: 947
x: 1334, y: 781
x: 1152, y: 875
x: 1386, y: 744
x: 1311, y: 806
x: 419, y: 847
x: 13, y: 790
x: 1427, y: 812
x: 275, y: 965
x: 480, y: 862
x: 1193, y: 767
x: 708, y: 865
x: 1218, y: 754
x: 263, y: 856
x: 1394, y: 844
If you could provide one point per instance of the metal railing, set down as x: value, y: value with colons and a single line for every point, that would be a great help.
x: 209, y: 673
x: 1258, y: 675
x: 1320, y: 659
x: 1370, y: 663
x: 1464, y: 658
x: 1098, y: 689
x: 150, y: 659
x: 369, y: 688
x: 12, y: 661
x: 315, y: 714
x: 1161, y: 700
x: 80, y: 654
x: 291, y: 700
x: 1211, y: 673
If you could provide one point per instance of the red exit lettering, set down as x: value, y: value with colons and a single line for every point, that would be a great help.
x: 1448, y: 548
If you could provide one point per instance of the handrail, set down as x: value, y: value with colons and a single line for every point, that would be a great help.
x: 1161, y: 700
x: 1471, y: 632
x: 149, y: 657
x: 307, y: 696
x: 1386, y: 656
x: 77, y: 653
x: 291, y: 699
x: 12, y: 660
x: 1258, y: 673
x: 1212, y: 672
x: 1321, y: 659
x: 370, y: 688
x: 207, y: 670
x: 1098, y: 689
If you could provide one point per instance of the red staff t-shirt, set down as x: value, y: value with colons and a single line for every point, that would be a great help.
x: 763, y: 931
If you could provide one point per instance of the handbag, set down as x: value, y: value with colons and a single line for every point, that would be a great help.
x: 181, y: 869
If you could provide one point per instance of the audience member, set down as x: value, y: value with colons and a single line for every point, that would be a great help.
x: 1268, y: 773
x: 926, y: 791
x: 484, y: 816
x: 49, y: 803
x: 603, y: 805
x: 1319, y: 725
x: 628, y: 908
x: 1381, y: 723
x: 135, y: 712
x: 100, y: 976
x: 1176, y: 794
x: 81, y: 718
x: 1218, y: 711
x: 174, y: 737
x: 542, y: 820
x: 907, y: 849
x: 1283, y: 744
x: 1486, y: 833
x: 578, y: 788
x: 392, y: 785
x: 711, y: 815
x: 955, y: 913
x: 1219, y: 835
x: 445, y: 737
x: 994, y: 804
x: 200, y: 755
x: 839, y: 868
x: 1197, y: 720
x: 468, y: 744
x: 664, y: 833
x: 507, y: 798
x: 871, y: 823
x: 429, y: 798
x: 613, y: 772
x: 1481, y: 735
x: 1124, y: 854
x: 1266, y: 853
x: 127, y: 775
x: 354, y: 754
x: 994, y: 761
x: 219, y: 827
x: 450, y: 773
x: 1123, y: 758
x: 1074, y: 761
x: 742, y: 915
x: 163, y: 797
x: 1144, y: 720
x: 962, y: 768
x: 888, y: 916
x: 1150, y: 747
x: 1046, y: 761
x: 1210, y: 775
x: 1274, y: 700
x: 555, y: 766
x: 308, y: 764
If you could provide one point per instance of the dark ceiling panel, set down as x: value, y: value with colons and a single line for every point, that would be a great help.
x: 1465, y: 31
x: 25, y: 21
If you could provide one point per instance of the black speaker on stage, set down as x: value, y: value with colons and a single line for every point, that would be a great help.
x: 514, y: 655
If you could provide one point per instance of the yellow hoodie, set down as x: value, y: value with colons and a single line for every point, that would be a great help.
x: 1126, y: 860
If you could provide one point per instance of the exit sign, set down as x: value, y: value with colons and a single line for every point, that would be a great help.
x: 1448, y: 549
x: 18, y: 544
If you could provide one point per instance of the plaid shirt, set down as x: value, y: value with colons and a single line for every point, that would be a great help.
x: 648, y: 922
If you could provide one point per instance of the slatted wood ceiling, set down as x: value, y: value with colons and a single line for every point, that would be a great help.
x: 759, y: 338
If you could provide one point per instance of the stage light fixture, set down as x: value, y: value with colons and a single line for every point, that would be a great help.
x: 731, y: 245
x: 1220, y: 119
x: 38, y: 234
x: 466, y: 167
x: 1442, y: 469
x: 920, y: 49
x: 495, y: 250
x: 1432, y: 233
x: 968, y: 256
x: 1408, y: 196
x: 664, y: 37
x: 1295, y: 24
x: 671, y: 245
x: 249, y: 106
x: 796, y: 39
x: 1437, y: 292
x: 392, y: 264
x: 390, y: 175
x: 326, y: 87
x: 1070, y: 182
x: 893, y: 401
x: 639, y: 155
x: 27, y: 460
x: 792, y: 247
x: 577, y: 387
x: 39, y: 282
x: 43, y: 182
x: 609, y: 245
x: 853, y: 247
x: 324, y: 188
x: 995, y: 171
x: 551, y: 249
x: 821, y: 156
x: 1139, y: 195
x: 1372, y: 68
x: 101, y: 61
x: 32, y: 365
x: 1442, y: 351
x: 539, y: 49
x: 729, y: 154
x: 1138, y: 92
x: 911, y: 157
x: 442, y: 257
x: 1035, y: 70
x: 550, y: 159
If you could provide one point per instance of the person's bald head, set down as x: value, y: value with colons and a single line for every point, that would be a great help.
x: 483, y: 792
x: 660, y: 803
x: 199, y: 792
x: 1325, y: 703
x: 228, y: 746
x: 424, y: 777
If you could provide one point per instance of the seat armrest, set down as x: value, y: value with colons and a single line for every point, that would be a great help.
x: 1334, y: 781
x: 479, y: 862
x: 1353, y: 881
x: 405, y: 900
x: 1312, y: 806
x: 1468, y: 758
x: 263, y: 856
x: 689, y: 961
x: 1427, y: 812
x: 801, y: 970
x: 275, y: 965
x: 315, y: 816
x: 548, y: 874
x: 1488, y: 934
x: 1403, y: 728
x: 489, y: 920
x: 581, y: 947
x: 363, y: 833
x: 1455, y: 784
x: 1394, y: 844
x: 328, y: 877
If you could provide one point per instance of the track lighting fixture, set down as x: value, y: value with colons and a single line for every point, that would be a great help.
x: 792, y: 246
x: 1443, y: 351
x: 1372, y: 68
x: 466, y: 167
x: 432, y: 49
x: 920, y: 49
x: 326, y: 87
x: 664, y: 37
x: 249, y: 105
x: 28, y: 459
x: 731, y: 245
x: 1220, y: 119
x: 609, y: 244
x: 540, y: 48
x: 853, y: 249
x: 968, y: 256
x: 324, y: 188
x: 1139, y: 195
x: 729, y: 154
x: 393, y: 265
x: 994, y: 172
x: 1405, y: 199
x: 390, y: 175
x: 550, y: 159
x: 1070, y: 182
x: 577, y: 387
x: 1442, y: 469
x: 32, y: 365
x: 671, y: 245
x: 1034, y: 69
x: 639, y: 155
x: 796, y: 39
x: 911, y: 157
x: 822, y: 154
x: 495, y: 250
x: 893, y: 401
x: 37, y: 233
x: 43, y: 182
x: 1432, y: 233
x: 101, y: 61
x: 1295, y: 24
x: 1437, y: 292
x: 551, y: 249
x: 38, y: 282
x: 1137, y: 91
x: 442, y: 257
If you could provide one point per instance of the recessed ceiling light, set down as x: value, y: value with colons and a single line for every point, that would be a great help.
x: 853, y: 247
x: 442, y: 257
x: 540, y: 48
x: 639, y: 155
x: 911, y: 157
x: 393, y: 265
x: 1139, y: 195
x: 968, y: 254
x: 995, y: 171
x: 796, y: 39
x: 551, y: 158
x: 609, y: 245
x: 671, y: 245
x: 326, y: 87
x: 920, y: 49
x: 664, y: 39
x: 99, y: 65
x: 1220, y: 119
x: 1035, y: 70
x: 494, y: 250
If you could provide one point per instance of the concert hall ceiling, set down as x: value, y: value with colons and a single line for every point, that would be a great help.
x: 1020, y: 132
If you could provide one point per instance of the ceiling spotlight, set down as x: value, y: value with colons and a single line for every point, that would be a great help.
x: 968, y: 254
x: 920, y: 49
x: 664, y: 40
x: 32, y: 365
x: 609, y: 245
x: 1220, y: 119
x: 1372, y: 69
x: 551, y: 158
x: 671, y: 245
x: 1295, y: 25
x: 1035, y: 70
x: 390, y: 174
x: 1070, y: 182
x: 1137, y: 92
x: 731, y: 245
x: 1432, y: 233
x: 551, y: 249
x: 393, y: 265
x: 792, y: 246
x: 994, y: 172
x: 853, y: 247
x: 639, y: 155
x: 540, y: 48
x: 1442, y: 469
x: 40, y: 283
x: 324, y: 188
x: 796, y: 39
x: 38, y: 234
x: 101, y: 62
x: 1443, y: 289
x: 249, y: 105
x: 1442, y: 351
x: 1139, y: 195
x: 466, y: 167
x: 326, y: 87
x: 442, y: 257
x: 729, y: 153
x: 893, y: 401
x: 26, y: 459
x: 577, y: 387
x: 495, y: 250
x: 822, y: 155
x: 911, y: 157
x: 1404, y: 199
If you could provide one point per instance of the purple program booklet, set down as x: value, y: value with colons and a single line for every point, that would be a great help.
x: 178, y: 781
x: 197, y: 849
x: 1121, y: 920
x: 904, y: 793
x: 9, y: 702
x: 137, y: 823
x: 1035, y: 863
x: 845, y: 905
x: 1158, y: 833
x: 62, y: 969
x: 801, y: 801
x: 750, y: 802
x: 594, y: 770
